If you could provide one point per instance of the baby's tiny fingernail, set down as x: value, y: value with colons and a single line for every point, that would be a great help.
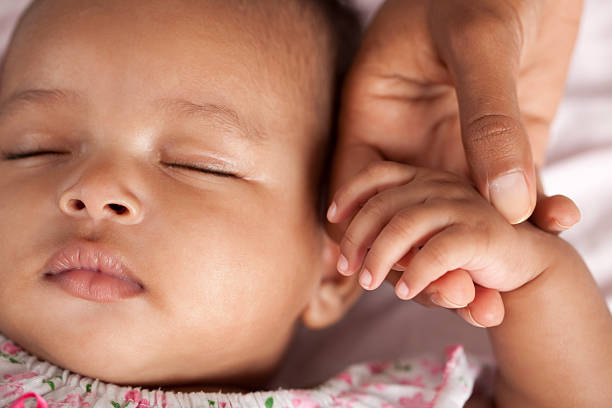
x: 342, y: 265
x: 402, y: 290
x: 441, y: 301
x: 366, y: 278
x: 469, y: 315
x: 331, y: 212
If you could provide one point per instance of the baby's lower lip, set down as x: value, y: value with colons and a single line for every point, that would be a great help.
x: 94, y: 285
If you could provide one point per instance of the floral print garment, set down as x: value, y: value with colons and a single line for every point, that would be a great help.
x: 429, y: 381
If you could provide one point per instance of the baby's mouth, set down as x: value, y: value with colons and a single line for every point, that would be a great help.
x: 90, y: 272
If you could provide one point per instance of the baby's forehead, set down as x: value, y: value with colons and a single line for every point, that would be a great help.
x: 290, y: 32
x: 258, y: 46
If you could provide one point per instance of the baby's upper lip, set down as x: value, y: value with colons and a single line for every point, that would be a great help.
x: 85, y: 255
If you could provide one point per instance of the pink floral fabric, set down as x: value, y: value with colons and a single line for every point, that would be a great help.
x: 429, y: 381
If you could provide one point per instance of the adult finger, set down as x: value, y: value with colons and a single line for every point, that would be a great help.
x: 554, y: 214
x: 482, y: 48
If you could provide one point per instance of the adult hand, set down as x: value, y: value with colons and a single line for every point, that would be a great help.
x: 466, y: 86
x: 489, y: 73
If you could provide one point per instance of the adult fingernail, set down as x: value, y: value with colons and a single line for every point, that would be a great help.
x: 331, y: 212
x: 562, y: 226
x: 365, y: 278
x: 510, y: 195
x: 342, y: 265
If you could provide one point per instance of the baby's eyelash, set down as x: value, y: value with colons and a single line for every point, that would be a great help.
x: 25, y: 155
x: 206, y: 170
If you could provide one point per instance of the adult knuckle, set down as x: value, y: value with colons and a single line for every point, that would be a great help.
x: 494, y: 135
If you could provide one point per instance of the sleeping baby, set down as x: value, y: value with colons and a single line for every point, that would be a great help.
x: 162, y: 173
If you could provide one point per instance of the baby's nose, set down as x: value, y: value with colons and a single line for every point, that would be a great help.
x: 100, y: 197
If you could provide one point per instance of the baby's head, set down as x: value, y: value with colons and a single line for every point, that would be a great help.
x: 132, y: 96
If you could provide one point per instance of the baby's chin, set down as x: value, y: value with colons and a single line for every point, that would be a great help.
x: 171, y: 371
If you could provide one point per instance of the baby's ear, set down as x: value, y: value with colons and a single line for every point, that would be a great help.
x: 336, y: 293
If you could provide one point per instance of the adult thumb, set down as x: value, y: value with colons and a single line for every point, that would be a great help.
x: 499, y: 155
x: 496, y: 144
x: 481, y: 47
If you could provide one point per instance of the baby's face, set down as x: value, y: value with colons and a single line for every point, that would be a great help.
x: 130, y: 98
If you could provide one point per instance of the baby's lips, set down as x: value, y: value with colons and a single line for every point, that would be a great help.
x: 90, y: 271
x: 95, y: 286
x: 90, y: 256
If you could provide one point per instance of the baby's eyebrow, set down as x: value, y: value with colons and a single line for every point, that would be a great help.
x: 206, y: 111
x: 39, y: 97
x: 181, y: 107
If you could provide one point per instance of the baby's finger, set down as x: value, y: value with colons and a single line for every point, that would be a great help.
x: 369, y: 222
x: 407, y: 228
x: 450, y: 249
x: 453, y: 290
x: 555, y: 214
x: 365, y: 227
x: 375, y: 178
x: 487, y: 309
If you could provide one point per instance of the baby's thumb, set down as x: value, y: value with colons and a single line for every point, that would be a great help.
x: 486, y: 310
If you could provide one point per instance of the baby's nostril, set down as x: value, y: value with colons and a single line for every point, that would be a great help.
x: 118, y: 208
x: 77, y: 204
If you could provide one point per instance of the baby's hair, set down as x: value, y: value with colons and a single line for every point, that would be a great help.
x: 343, y: 23
x: 345, y: 29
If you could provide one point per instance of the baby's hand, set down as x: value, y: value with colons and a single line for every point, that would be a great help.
x: 430, y: 223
